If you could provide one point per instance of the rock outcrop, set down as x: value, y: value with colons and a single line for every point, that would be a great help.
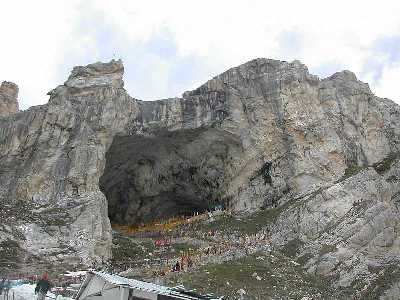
x: 261, y: 135
x: 8, y: 98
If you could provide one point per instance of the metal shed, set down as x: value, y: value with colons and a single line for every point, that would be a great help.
x: 104, y: 286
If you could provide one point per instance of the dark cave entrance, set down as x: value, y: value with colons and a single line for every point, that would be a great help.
x: 149, y: 178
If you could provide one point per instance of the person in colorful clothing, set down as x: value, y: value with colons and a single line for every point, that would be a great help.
x: 42, y: 287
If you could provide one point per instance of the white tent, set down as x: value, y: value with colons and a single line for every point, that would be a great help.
x: 103, y: 286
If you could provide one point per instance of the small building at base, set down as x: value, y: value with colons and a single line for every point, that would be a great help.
x: 104, y: 286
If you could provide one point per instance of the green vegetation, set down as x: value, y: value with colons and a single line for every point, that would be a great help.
x: 302, y: 260
x: 384, y: 165
x: 325, y: 249
x: 386, y: 276
x: 182, y: 247
x: 243, y: 223
x: 380, y: 167
x: 126, y: 250
x: 291, y: 248
x: 55, y: 216
x: 10, y: 253
x: 351, y: 170
x: 261, y: 275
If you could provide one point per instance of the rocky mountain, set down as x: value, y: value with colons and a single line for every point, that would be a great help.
x: 266, y: 134
x: 8, y: 98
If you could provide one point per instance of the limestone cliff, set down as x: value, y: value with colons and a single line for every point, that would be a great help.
x: 260, y: 135
x: 8, y: 98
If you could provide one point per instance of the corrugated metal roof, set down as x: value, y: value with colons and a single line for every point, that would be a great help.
x: 136, y: 284
x: 177, y: 292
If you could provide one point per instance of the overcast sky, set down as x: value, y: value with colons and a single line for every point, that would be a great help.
x: 171, y: 46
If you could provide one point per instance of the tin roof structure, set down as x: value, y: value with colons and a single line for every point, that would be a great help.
x: 176, y: 292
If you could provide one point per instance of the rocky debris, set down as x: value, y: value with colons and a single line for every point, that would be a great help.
x: 8, y: 98
x: 266, y: 134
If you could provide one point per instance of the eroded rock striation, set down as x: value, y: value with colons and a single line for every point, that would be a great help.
x: 8, y: 98
x: 261, y: 135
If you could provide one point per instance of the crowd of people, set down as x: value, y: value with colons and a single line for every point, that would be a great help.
x: 209, y: 246
x: 224, y: 247
x: 159, y: 227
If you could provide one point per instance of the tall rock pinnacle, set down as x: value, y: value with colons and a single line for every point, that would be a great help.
x: 8, y: 98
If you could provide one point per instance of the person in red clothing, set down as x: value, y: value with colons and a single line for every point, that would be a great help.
x: 43, y: 286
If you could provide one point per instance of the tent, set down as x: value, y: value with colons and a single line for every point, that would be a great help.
x: 104, y: 286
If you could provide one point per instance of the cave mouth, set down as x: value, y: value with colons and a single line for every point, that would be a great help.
x: 170, y: 173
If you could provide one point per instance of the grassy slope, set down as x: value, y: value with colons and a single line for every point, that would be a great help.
x: 262, y: 276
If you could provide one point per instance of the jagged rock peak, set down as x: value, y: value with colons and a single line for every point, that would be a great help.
x: 348, y: 81
x: 344, y: 75
x: 8, y: 98
x: 97, y: 74
x: 255, y: 70
x: 272, y: 64
x: 264, y: 66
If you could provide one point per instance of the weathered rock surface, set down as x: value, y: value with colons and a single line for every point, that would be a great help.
x: 347, y: 232
x: 263, y: 134
x: 8, y: 98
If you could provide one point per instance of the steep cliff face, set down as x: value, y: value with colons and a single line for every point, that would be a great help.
x: 8, y: 98
x: 263, y: 134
